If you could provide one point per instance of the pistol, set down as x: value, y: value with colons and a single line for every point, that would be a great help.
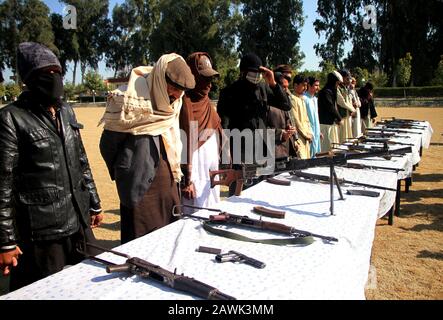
x: 234, y: 256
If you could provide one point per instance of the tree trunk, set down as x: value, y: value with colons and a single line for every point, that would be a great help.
x: 74, y: 72
x: 83, y: 70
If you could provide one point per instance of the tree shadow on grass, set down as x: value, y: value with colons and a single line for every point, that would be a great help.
x: 425, y: 254
x: 434, y: 177
x: 433, y: 212
x: 417, y: 195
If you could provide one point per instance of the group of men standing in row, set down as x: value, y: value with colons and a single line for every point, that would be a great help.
x: 48, y: 198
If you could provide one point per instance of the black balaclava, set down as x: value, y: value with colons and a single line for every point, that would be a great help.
x: 34, y: 61
x: 47, y: 87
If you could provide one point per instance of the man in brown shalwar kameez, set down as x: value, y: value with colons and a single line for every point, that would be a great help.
x: 141, y: 144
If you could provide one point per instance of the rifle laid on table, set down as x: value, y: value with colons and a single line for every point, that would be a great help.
x: 248, y: 172
x: 145, y: 269
x: 299, y: 237
x: 387, y: 140
x: 251, y: 171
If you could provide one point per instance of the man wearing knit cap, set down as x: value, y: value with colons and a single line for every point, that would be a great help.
x: 48, y: 198
x: 141, y: 144
x: 244, y: 104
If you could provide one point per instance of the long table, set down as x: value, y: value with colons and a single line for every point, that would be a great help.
x: 321, y: 270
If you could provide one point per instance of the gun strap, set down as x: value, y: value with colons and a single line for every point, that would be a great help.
x: 300, y: 241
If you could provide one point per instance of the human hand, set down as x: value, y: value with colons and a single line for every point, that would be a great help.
x: 268, y: 75
x: 9, y: 259
x: 288, y: 132
x: 96, y: 220
x: 189, y: 191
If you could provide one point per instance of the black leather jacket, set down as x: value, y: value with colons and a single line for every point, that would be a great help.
x: 46, y: 185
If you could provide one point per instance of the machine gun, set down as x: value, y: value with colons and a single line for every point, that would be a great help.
x: 248, y: 172
x: 145, y: 269
x: 225, y: 218
x: 366, y: 139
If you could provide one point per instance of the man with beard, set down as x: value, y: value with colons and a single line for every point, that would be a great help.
x: 245, y: 104
x: 202, y: 125
x: 48, y: 198
x: 141, y: 144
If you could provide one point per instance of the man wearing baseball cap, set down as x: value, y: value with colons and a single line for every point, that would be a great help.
x: 202, y: 125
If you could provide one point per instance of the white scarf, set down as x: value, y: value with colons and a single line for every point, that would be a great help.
x: 144, y: 109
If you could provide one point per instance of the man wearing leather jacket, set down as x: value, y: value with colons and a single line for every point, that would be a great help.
x: 48, y: 198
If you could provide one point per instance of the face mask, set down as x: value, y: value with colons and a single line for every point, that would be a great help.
x: 254, y: 77
x: 48, y: 87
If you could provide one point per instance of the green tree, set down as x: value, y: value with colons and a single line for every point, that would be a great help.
x: 92, y: 33
x: 365, y: 42
x: 69, y: 90
x: 194, y: 25
x: 94, y: 82
x: 132, y: 25
x: 438, y: 78
x: 404, y: 69
x: 13, y: 90
x: 334, y: 24
x: 66, y: 41
x: 361, y: 75
x: 272, y: 30
x: 23, y: 20
x: 2, y: 92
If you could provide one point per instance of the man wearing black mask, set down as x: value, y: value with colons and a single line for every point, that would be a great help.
x: 245, y: 103
x: 48, y: 198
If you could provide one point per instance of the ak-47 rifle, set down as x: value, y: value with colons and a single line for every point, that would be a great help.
x: 252, y: 171
x: 366, y: 139
x: 393, y: 130
x: 402, y: 125
x: 225, y: 218
x: 371, y: 167
x: 148, y: 270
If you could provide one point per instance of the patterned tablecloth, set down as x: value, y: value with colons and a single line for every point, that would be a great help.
x: 317, y: 271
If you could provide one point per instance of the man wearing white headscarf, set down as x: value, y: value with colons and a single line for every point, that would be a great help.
x: 141, y: 144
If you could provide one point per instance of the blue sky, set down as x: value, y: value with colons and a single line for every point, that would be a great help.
x: 307, y: 40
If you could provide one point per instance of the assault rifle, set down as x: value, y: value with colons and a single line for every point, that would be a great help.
x: 366, y: 139
x: 148, y: 270
x: 389, y: 130
x: 225, y: 218
x: 252, y: 171
x: 401, y: 125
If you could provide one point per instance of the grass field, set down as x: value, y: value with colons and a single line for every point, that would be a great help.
x: 407, y: 257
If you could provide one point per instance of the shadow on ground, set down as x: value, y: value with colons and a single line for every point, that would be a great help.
x: 434, y: 177
x: 417, y: 195
x: 430, y: 255
x: 115, y: 226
